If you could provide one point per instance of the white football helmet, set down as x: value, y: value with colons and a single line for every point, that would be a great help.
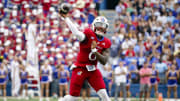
x: 100, y: 22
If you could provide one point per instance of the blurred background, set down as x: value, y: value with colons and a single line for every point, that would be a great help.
x: 140, y: 31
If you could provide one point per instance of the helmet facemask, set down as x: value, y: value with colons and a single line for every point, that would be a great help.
x: 100, y: 31
x: 100, y: 25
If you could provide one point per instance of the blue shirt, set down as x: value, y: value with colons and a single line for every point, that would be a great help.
x: 129, y: 60
x: 170, y: 18
x: 91, y: 18
x: 161, y: 67
x: 133, y: 67
x: 159, y: 48
x: 54, y: 70
x: 141, y: 60
x: 176, y: 21
x: 145, y: 17
x: 154, y: 60
x: 114, y: 50
x: 55, y: 74
x: 136, y: 49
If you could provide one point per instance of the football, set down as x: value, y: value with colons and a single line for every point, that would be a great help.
x: 64, y: 8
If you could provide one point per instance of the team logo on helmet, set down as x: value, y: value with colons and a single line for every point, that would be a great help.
x: 102, y: 19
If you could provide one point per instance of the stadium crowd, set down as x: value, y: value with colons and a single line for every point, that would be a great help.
x: 146, y: 33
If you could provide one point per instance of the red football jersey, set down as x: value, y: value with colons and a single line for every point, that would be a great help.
x: 72, y: 1
x: 55, y: 2
x: 85, y: 48
x: 46, y: 4
x: 35, y: 2
x: 17, y: 2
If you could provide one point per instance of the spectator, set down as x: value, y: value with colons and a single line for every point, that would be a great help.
x: 46, y: 5
x: 154, y: 81
x: 120, y: 73
x: 177, y: 44
x: 157, y: 46
x: 128, y: 82
x: 148, y: 46
x: 119, y: 8
x: 125, y: 45
x: 92, y: 14
x: 35, y: 3
x: 55, y: 3
x: 31, y: 42
x: 145, y: 74
x: 15, y: 75
x: 26, y: 9
x: 114, y: 51
x: 14, y: 16
x: 162, y: 69
x: 172, y: 76
x: 16, y: 2
x: 3, y: 80
x: 44, y: 74
x: 141, y: 59
x: 54, y: 85
x: 130, y: 51
x: 97, y: 5
x: 177, y: 57
x: 86, y: 91
x: 170, y: 17
x: 104, y: 70
x: 24, y: 81
x: 27, y: 18
x: 110, y: 78
x: 176, y: 20
x: 2, y: 12
x: 166, y: 51
x: 133, y: 71
x: 139, y: 47
x: 154, y: 57
x: 129, y: 59
x: 63, y: 80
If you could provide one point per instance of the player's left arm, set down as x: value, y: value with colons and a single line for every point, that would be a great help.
x: 177, y: 74
x: 102, y: 58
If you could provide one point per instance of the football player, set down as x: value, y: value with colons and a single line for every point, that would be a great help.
x: 94, y: 47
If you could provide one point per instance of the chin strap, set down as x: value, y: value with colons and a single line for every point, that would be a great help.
x: 100, y: 34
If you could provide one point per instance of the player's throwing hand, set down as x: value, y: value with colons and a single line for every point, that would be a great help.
x: 64, y: 9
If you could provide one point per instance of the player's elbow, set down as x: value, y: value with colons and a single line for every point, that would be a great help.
x: 80, y: 36
x: 104, y: 61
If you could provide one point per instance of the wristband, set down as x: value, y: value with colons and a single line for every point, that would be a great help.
x: 93, y: 50
x: 90, y: 56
